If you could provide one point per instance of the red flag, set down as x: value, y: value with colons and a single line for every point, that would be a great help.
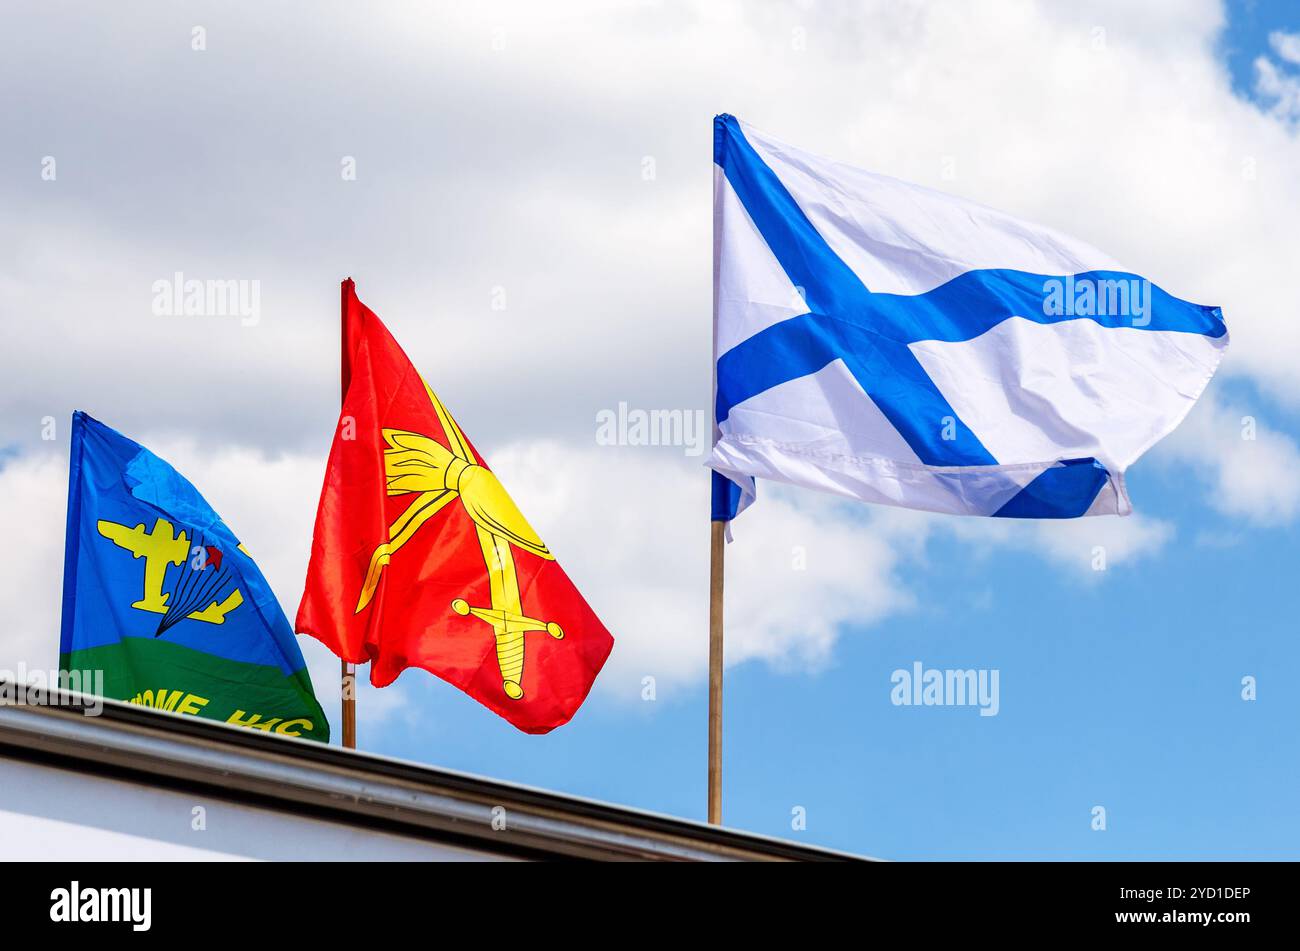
x: 420, y: 558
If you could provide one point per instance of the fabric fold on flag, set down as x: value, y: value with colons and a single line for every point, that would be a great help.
x: 893, y: 344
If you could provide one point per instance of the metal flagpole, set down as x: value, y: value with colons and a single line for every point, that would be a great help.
x: 349, y: 678
x: 717, y: 547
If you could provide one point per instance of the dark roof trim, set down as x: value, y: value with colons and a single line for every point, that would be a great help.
x: 305, y: 778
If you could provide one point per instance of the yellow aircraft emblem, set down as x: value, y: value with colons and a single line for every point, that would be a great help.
x: 160, y: 547
x: 441, y: 474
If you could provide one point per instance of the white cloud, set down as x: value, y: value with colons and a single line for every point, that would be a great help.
x: 1287, y: 45
x: 1093, y: 545
x: 631, y: 529
x: 1084, y: 548
x: 33, y: 496
x: 501, y: 145
x: 1282, y: 88
x: 1252, y: 471
x: 1278, y: 85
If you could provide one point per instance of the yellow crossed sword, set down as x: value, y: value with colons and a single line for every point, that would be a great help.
x: 415, y: 463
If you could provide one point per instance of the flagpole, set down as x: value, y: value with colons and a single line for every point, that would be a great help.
x: 349, y: 706
x: 717, y: 548
x: 348, y: 686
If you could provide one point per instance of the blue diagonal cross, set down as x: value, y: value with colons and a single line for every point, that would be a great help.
x: 871, y: 333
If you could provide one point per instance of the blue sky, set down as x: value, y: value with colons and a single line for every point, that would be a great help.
x: 556, y: 156
x: 1248, y: 27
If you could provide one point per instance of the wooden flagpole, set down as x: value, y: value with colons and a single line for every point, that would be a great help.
x: 349, y: 706
x: 349, y: 679
x: 717, y: 547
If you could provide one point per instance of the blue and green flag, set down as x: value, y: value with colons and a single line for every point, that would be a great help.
x: 160, y: 596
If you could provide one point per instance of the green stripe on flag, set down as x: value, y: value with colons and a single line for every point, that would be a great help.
x: 167, y: 676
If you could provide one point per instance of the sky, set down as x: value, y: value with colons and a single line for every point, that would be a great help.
x: 523, y: 194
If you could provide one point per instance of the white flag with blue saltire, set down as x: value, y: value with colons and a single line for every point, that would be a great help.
x: 897, y: 345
